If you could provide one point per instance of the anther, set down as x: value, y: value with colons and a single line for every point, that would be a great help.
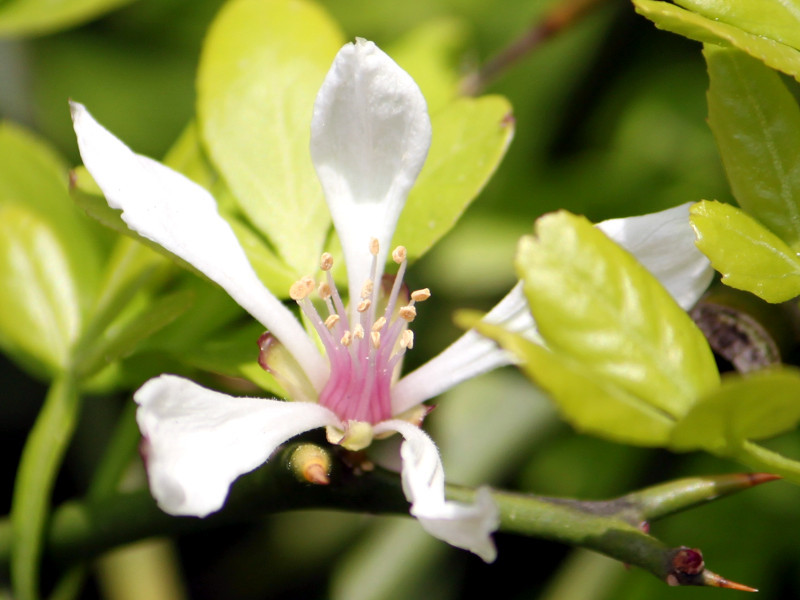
x: 358, y: 332
x: 378, y: 325
x: 407, y: 313
x: 376, y: 339
x: 366, y: 290
x: 301, y: 289
x: 326, y: 261
x: 331, y: 321
x: 363, y: 305
x: 324, y: 290
x: 347, y: 338
x: 407, y: 339
x: 374, y: 246
x: 399, y: 254
x: 420, y: 295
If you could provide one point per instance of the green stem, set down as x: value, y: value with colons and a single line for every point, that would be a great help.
x: 81, y: 530
x: 104, y: 484
x: 38, y: 468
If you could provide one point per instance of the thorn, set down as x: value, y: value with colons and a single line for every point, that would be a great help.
x: 714, y: 580
x: 688, y: 568
x: 311, y: 464
x: 759, y: 478
x: 316, y: 473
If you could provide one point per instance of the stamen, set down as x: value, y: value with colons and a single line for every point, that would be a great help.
x: 363, y: 305
x: 347, y: 338
x: 374, y: 246
x: 378, y: 325
x: 324, y: 290
x: 326, y: 261
x: 399, y: 254
x: 376, y: 339
x: 301, y: 289
x: 366, y: 290
x: 407, y: 313
x: 358, y: 332
x: 421, y: 295
x: 407, y: 339
x: 331, y: 321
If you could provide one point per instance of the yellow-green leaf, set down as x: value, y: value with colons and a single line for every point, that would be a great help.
x: 756, y: 123
x: 596, y: 306
x: 697, y: 27
x: 757, y: 406
x: 31, y: 17
x: 590, y: 404
x: 749, y: 256
x: 470, y: 138
x: 261, y: 67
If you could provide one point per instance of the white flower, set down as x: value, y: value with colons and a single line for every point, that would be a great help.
x: 370, y: 136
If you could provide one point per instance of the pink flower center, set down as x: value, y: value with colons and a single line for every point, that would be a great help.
x: 364, y: 348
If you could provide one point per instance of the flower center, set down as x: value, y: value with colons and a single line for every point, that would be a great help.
x: 365, y: 348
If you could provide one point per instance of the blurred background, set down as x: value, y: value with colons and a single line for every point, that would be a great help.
x: 610, y: 121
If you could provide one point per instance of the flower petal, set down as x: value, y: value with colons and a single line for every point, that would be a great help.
x: 370, y: 134
x: 467, y: 526
x: 664, y: 242
x: 467, y: 357
x: 181, y: 216
x: 198, y: 441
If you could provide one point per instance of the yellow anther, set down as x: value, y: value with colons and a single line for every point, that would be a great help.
x: 358, y: 332
x: 326, y: 261
x: 399, y: 254
x: 331, y: 321
x: 407, y: 313
x: 378, y: 325
x: 363, y: 305
x: 301, y: 289
x: 375, y: 337
x: 420, y: 295
x: 324, y: 290
x: 407, y: 339
x: 366, y: 290
x: 374, y: 246
x: 347, y: 338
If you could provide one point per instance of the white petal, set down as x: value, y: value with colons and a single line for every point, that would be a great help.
x: 199, y: 441
x: 370, y: 134
x: 181, y: 216
x: 664, y: 243
x: 467, y: 526
x: 467, y: 357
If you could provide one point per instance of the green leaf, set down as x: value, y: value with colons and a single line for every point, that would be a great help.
x: 32, y: 17
x: 590, y: 404
x: 596, y: 306
x: 187, y: 156
x: 775, y: 19
x: 758, y: 406
x: 697, y: 27
x: 749, y: 256
x: 262, y: 65
x: 756, y: 122
x: 470, y: 138
x: 433, y: 55
x: 270, y: 269
x: 119, y: 342
x: 234, y: 352
x: 41, y: 315
x: 34, y: 177
x: 41, y: 458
